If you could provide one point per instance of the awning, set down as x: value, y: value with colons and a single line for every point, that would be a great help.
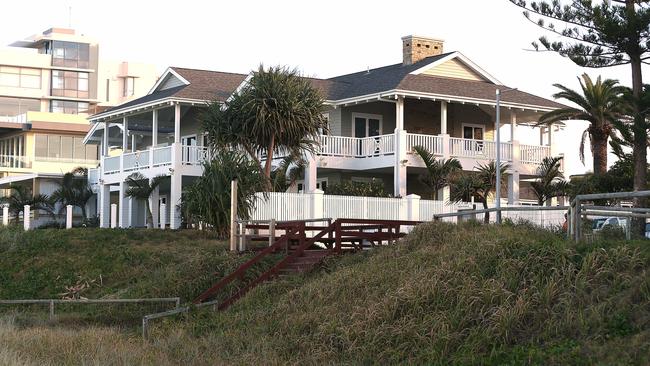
x: 6, y: 181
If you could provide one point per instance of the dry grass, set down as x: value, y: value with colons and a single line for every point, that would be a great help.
x: 446, y: 295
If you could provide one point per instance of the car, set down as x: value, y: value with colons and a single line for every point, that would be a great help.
x: 611, y: 222
x: 598, y: 223
x: 647, y: 230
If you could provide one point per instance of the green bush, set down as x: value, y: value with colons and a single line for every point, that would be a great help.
x: 374, y: 188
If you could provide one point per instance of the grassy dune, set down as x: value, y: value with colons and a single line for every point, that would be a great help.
x: 468, y: 294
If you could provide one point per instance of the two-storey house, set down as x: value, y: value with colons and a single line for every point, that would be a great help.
x: 442, y: 101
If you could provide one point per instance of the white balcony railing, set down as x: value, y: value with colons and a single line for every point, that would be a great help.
x: 357, y: 147
x: 195, y: 155
x: 135, y: 160
x: 12, y: 161
x: 162, y: 156
x: 532, y: 154
x: 432, y: 143
x: 478, y: 149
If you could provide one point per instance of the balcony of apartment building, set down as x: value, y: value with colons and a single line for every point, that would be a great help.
x: 152, y: 142
x: 371, y: 135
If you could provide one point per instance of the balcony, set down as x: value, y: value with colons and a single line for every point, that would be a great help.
x: 12, y: 161
x: 439, y: 145
x: 155, y: 157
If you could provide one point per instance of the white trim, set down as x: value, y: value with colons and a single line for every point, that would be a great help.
x: 473, y: 125
x: 141, y: 107
x: 240, y: 86
x: 189, y: 136
x: 163, y: 77
x: 463, y: 59
x: 367, y: 116
x: 99, y: 126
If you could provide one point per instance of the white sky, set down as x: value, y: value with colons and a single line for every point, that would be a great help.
x: 322, y: 38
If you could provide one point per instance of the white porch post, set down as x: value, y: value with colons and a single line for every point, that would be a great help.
x: 26, y: 217
x: 113, y: 216
x: 154, y: 130
x: 443, y: 117
x: 124, y: 206
x: 317, y: 204
x: 513, y: 125
x: 399, y: 171
x: 125, y: 135
x: 154, y: 205
x: 104, y: 205
x: 68, y: 216
x: 176, y: 187
x: 310, y: 173
x: 105, y: 140
x: 177, y: 123
x: 513, y: 188
x: 413, y: 207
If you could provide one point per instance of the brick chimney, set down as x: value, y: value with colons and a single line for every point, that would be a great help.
x: 415, y: 48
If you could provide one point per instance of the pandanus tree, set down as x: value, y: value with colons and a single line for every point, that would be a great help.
x: 275, y: 111
x: 141, y: 188
x: 73, y: 190
x: 438, y: 173
x: 601, y: 105
x: 550, y: 180
x: 21, y: 196
x: 207, y: 199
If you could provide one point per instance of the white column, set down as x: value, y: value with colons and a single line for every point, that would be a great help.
x: 399, y: 171
x: 163, y: 216
x: 133, y: 143
x: 26, y: 217
x: 177, y: 123
x: 124, y: 206
x: 5, y: 216
x: 154, y: 129
x: 541, y: 135
x: 513, y: 125
x: 413, y: 207
x: 513, y: 188
x: 105, y: 141
x: 310, y: 173
x: 549, y: 135
x: 125, y: 135
x: 68, y: 217
x: 444, y: 194
x: 104, y: 205
x: 443, y: 117
x: 317, y: 204
x: 113, y: 215
x: 399, y: 113
x: 154, y: 205
x: 176, y: 187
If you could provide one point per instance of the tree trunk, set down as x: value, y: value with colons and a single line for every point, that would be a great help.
x: 269, y: 164
x: 600, y: 154
x: 486, y: 216
x: 149, y: 223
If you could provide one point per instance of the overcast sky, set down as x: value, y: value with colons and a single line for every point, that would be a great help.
x: 322, y: 38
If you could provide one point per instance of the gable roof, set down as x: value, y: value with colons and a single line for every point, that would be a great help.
x: 202, y: 85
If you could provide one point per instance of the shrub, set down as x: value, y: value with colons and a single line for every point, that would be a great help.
x: 374, y: 188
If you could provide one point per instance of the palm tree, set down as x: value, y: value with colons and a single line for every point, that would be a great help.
x: 73, y: 190
x: 479, y: 184
x: 21, y: 196
x: 550, y: 182
x: 276, y: 110
x: 600, y: 104
x: 140, y: 187
x: 439, y: 171
x: 287, y: 173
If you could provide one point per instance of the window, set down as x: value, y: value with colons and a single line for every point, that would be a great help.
x: 61, y: 147
x: 326, y: 118
x: 70, y: 54
x: 473, y: 132
x: 68, y: 107
x: 20, y: 77
x: 129, y: 86
x: 70, y: 84
x: 366, y: 125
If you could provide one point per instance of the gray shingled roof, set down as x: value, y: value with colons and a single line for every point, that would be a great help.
x: 204, y: 85
x: 215, y: 85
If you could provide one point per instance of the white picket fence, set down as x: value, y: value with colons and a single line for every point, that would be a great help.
x: 316, y: 205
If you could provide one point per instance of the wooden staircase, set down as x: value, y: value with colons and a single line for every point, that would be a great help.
x: 303, y: 253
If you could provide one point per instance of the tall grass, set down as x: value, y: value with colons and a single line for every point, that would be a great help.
x: 446, y: 294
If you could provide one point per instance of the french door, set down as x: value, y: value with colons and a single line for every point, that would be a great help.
x: 473, y: 135
x: 367, y: 126
x: 189, y: 149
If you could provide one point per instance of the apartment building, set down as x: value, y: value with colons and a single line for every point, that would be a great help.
x: 440, y: 100
x: 49, y: 84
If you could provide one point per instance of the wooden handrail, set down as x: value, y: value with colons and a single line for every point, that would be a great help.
x: 243, y: 268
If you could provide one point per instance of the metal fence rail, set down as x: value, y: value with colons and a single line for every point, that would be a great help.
x: 52, y: 302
